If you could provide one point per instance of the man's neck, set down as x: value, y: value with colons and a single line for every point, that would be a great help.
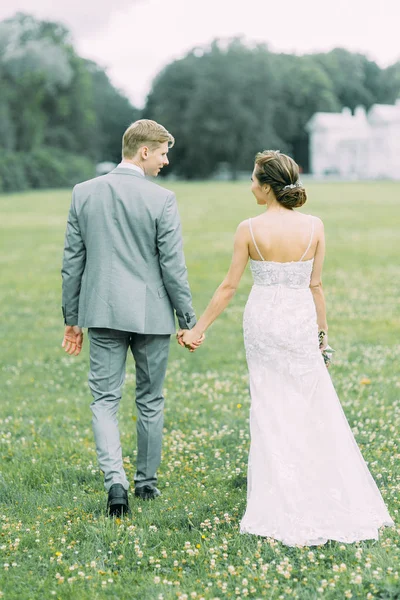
x: 132, y: 163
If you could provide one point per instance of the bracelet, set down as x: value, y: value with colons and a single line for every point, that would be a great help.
x: 321, y: 335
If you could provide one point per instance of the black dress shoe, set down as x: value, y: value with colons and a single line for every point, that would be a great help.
x: 117, y: 504
x: 147, y: 492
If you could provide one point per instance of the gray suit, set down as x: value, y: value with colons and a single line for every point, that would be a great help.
x: 124, y: 274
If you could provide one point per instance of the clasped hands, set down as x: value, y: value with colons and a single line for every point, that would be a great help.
x: 190, y: 339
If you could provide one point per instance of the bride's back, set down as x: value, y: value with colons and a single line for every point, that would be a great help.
x: 283, y: 236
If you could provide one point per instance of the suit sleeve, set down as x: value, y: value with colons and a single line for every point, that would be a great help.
x: 74, y: 260
x: 172, y: 263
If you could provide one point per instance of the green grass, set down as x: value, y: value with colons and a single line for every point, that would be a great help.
x: 54, y: 538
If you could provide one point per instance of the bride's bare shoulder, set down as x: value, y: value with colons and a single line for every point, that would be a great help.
x: 243, y: 229
x: 317, y: 220
x: 243, y: 225
x: 319, y: 233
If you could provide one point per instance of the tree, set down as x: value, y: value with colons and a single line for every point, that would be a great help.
x: 34, y: 68
x: 219, y: 103
x: 52, y: 99
x: 305, y: 89
x: 390, y: 84
x: 168, y: 102
x: 226, y: 101
x: 114, y: 113
x: 355, y: 79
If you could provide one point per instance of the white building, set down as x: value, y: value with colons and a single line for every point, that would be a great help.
x: 359, y: 146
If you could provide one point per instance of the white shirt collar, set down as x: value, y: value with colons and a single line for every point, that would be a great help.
x: 128, y: 165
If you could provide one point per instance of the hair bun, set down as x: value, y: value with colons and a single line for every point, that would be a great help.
x: 292, y: 197
x: 280, y: 172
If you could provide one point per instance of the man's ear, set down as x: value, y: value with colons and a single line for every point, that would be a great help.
x: 145, y: 152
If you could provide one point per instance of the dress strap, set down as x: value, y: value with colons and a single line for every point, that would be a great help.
x: 254, y: 241
x: 311, y: 239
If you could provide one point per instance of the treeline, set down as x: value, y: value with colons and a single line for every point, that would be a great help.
x: 228, y: 101
x: 59, y: 113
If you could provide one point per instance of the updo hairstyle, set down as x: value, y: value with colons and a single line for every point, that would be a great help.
x: 282, y: 174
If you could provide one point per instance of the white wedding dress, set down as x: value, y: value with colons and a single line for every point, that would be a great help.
x: 307, y: 480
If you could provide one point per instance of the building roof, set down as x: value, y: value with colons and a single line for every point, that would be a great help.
x: 384, y: 113
x: 323, y: 121
x: 378, y: 113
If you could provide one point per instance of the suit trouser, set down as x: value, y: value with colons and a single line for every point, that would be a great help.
x: 108, y: 352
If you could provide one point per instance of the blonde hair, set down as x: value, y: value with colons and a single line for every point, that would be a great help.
x: 144, y: 133
x: 282, y: 173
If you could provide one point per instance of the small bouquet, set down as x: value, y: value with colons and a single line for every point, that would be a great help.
x: 326, y: 351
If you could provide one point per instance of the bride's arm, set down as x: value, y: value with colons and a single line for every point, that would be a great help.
x: 316, y: 281
x: 225, y: 292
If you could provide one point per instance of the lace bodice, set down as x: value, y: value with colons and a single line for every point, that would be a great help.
x: 289, y: 274
x: 293, y: 274
x: 280, y: 322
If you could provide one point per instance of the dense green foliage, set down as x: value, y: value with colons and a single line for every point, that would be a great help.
x: 226, y: 102
x: 223, y: 103
x: 55, y: 540
x: 43, y: 167
x: 55, y: 107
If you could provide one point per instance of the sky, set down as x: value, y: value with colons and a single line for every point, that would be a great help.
x: 134, y: 39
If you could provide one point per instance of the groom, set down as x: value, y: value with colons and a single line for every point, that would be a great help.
x: 124, y: 275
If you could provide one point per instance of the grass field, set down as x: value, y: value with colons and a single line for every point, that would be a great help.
x: 54, y: 539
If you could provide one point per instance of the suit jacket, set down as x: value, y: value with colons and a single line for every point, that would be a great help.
x: 123, y: 265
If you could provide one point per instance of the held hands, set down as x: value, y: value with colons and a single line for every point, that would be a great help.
x: 73, y: 340
x: 190, y: 339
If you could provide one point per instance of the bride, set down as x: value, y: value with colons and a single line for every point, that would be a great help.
x: 307, y: 480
